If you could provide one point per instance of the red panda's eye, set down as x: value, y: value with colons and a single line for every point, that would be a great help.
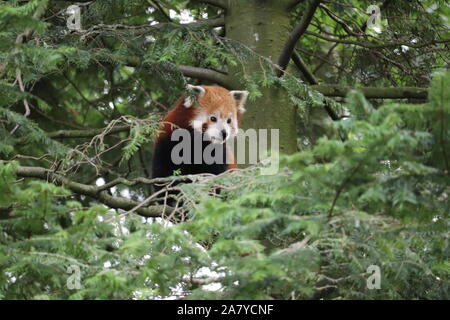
x: 229, y: 121
x: 213, y: 119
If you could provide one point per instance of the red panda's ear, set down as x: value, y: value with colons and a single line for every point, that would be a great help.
x: 240, y: 97
x: 194, y: 92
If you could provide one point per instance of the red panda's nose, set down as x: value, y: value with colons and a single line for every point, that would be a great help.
x: 224, y: 134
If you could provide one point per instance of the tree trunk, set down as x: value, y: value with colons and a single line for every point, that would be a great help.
x: 263, y: 26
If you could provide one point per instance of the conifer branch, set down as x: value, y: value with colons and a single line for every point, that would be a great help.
x: 340, y: 21
x: 373, y: 92
x: 301, y: 65
x: 294, y: 36
x: 25, y: 101
x: 88, y: 133
x: 143, y: 29
x: 309, y: 76
x: 94, y: 192
x: 328, y: 90
x: 160, y: 9
x: 206, y: 74
x: 376, y: 44
x: 76, y: 1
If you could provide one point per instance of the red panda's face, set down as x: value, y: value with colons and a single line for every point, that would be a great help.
x: 216, y: 111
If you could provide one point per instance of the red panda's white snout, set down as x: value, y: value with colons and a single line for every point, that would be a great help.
x: 216, y: 112
x: 216, y: 127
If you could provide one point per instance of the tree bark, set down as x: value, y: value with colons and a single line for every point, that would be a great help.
x: 263, y: 26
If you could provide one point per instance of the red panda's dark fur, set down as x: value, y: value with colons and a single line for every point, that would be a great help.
x: 180, y: 117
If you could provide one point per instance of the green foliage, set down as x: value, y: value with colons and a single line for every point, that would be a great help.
x: 378, y: 196
x: 373, y: 190
x: 140, y: 133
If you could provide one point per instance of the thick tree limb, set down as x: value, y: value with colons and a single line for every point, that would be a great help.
x: 340, y: 21
x: 295, y: 35
x: 92, y: 192
x: 62, y: 134
x: 213, y: 23
x: 309, y: 76
x: 160, y: 9
x: 301, y: 65
x: 206, y: 74
x: 145, y: 28
x: 373, y: 92
x: 217, y: 3
x: 375, y: 45
x: 192, y: 72
x: 326, y: 90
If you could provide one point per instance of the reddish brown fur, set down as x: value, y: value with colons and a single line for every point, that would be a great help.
x: 215, y: 98
x: 231, y: 161
x: 178, y: 117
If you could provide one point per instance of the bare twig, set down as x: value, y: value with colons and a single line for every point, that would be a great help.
x: 25, y: 101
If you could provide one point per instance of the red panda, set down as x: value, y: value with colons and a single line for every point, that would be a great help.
x: 212, y: 112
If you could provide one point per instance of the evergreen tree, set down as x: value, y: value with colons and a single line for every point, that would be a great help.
x: 361, y: 201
